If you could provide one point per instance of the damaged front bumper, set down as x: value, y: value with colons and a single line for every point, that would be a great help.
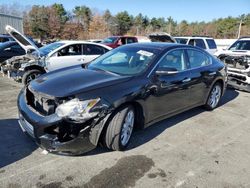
x: 45, y: 130
x: 238, y: 70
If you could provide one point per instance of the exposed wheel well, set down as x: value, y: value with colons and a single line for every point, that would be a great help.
x: 220, y: 81
x: 35, y: 67
x: 139, y: 115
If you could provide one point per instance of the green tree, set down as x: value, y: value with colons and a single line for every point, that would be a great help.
x: 227, y: 27
x: 138, y: 23
x: 84, y: 15
x: 61, y: 12
x: 39, y: 21
x: 124, y: 22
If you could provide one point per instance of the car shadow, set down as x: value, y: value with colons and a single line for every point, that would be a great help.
x: 15, y: 145
x: 141, y: 137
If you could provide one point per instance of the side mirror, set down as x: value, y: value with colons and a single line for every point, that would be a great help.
x: 166, y: 71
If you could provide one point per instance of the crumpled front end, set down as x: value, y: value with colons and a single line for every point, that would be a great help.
x: 238, y: 69
x: 56, y: 134
x: 15, y: 66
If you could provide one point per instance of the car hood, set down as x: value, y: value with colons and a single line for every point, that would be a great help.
x: 233, y: 53
x: 71, y: 81
x: 23, y: 41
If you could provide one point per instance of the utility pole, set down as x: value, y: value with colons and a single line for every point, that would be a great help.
x: 239, y: 28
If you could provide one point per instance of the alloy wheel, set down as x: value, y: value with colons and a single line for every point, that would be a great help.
x: 127, y: 127
x: 215, y: 96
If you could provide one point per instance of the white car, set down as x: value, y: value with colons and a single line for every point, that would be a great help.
x: 238, y: 48
x: 54, y: 56
x: 206, y: 43
x: 237, y: 58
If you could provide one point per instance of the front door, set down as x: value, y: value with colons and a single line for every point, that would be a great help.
x: 68, y: 56
x: 171, y: 92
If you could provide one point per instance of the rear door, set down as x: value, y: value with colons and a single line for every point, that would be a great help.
x: 202, y: 74
x: 92, y: 51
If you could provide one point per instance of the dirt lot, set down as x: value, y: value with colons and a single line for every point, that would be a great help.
x: 194, y: 149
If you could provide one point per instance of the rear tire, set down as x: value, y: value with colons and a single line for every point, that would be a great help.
x: 120, y: 129
x: 30, y: 75
x: 214, y: 97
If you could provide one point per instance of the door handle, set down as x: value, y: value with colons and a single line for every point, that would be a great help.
x: 81, y: 59
x: 186, y: 80
x: 212, y: 73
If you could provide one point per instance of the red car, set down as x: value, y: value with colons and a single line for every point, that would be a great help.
x: 116, y: 41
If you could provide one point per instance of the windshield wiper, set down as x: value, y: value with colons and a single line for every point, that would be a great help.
x: 110, y: 72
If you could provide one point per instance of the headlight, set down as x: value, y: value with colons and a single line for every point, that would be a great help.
x: 77, y: 110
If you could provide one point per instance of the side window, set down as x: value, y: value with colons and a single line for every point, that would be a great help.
x: 70, y: 50
x: 197, y: 42
x: 200, y: 43
x: 174, y: 59
x: 197, y: 59
x: 211, y: 44
x: 91, y: 49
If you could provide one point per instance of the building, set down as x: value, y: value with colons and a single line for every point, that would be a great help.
x: 14, y: 21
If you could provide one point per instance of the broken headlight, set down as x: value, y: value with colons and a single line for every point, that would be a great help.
x: 77, y: 110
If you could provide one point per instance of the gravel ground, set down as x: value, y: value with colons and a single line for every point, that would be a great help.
x: 194, y: 149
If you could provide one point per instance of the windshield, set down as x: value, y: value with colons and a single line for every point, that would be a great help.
x: 241, y: 45
x: 125, y: 60
x: 110, y: 40
x: 45, y: 50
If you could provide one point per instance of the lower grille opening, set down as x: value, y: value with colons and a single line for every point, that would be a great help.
x: 40, y: 103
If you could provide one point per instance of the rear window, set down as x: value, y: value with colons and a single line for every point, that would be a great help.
x: 181, y: 40
x: 211, y: 44
x: 197, y: 59
x: 4, y: 39
x: 197, y: 42
x: 131, y: 40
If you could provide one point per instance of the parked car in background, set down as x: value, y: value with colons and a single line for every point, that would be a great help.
x: 95, y: 40
x: 10, y: 49
x: 237, y: 59
x: 5, y: 38
x: 161, y: 37
x: 206, y: 43
x: 71, y: 110
x: 239, y: 47
x: 116, y: 41
x: 53, y: 56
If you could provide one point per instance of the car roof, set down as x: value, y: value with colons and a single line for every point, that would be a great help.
x: 4, y: 35
x: 156, y: 45
x: 194, y: 37
x: 8, y: 43
x: 83, y: 42
x: 245, y: 38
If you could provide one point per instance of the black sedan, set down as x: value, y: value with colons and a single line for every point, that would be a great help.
x: 9, y: 50
x: 70, y: 111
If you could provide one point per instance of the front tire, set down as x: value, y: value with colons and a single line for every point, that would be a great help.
x: 214, y: 97
x: 30, y: 75
x: 120, y: 129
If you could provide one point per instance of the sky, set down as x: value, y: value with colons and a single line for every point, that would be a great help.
x: 190, y: 10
